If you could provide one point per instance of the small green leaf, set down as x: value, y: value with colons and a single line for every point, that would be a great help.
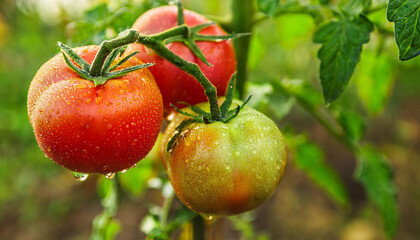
x: 268, y: 6
x: 342, y: 42
x: 310, y: 159
x: 374, y: 172
x: 356, y: 7
x: 181, y: 216
x: 353, y: 125
x: 406, y: 16
x: 375, y: 79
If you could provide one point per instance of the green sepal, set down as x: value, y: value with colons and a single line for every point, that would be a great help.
x: 197, y: 110
x: 109, y: 60
x: 178, y: 132
x: 81, y: 72
x: 218, y: 38
x: 234, y: 112
x: 125, y: 71
x: 190, y: 43
x: 229, y: 97
x: 195, y: 117
x: 74, y: 56
x: 125, y: 59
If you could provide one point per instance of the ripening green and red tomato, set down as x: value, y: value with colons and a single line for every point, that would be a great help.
x: 90, y: 129
x: 174, y: 84
x: 224, y: 168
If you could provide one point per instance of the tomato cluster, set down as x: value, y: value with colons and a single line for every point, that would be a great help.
x: 217, y: 167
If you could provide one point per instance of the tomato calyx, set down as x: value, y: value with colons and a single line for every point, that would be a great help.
x: 83, y: 68
x: 192, y: 36
x: 225, y: 114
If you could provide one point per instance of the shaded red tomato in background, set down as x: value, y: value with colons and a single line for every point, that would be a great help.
x: 91, y: 129
x: 174, y: 84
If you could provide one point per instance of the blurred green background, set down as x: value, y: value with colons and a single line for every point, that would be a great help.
x: 41, y: 200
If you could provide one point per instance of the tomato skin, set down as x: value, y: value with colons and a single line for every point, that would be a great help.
x: 225, y: 168
x: 176, y: 85
x: 92, y: 129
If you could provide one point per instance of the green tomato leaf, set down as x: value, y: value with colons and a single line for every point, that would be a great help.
x: 268, y: 6
x: 181, y: 216
x: 353, y: 125
x: 342, y: 42
x: 375, y: 79
x: 356, y: 7
x: 406, y: 17
x: 375, y: 174
x: 310, y: 159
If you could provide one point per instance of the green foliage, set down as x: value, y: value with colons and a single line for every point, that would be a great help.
x: 342, y: 42
x: 268, y: 6
x: 376, y: 175
x: 375, y: 79
x: 310, y: 159
x: 104, y: 225
x: 405, y: 14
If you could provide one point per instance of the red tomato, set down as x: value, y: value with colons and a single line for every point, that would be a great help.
x: 91, y: 129
x: 174, y: 84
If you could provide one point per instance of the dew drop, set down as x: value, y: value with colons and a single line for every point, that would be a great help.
x: 109, y: 126
x: 80, y: 176
x: 97, y: 149
x: 206, y: 216
x: 110, y: 175
x: 87, y: 126
x: 124, y: 171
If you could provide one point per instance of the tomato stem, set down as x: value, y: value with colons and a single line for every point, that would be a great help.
x: 242, y: 21
x: 106, y: 47
x: 157, y: 43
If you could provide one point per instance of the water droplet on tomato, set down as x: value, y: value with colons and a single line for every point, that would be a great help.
x: 133, y: 124
x: 206, y: 216
x: 124, y: 171
x: 80, y: 176
x: 109, y: 126
x: 87, y: 126
x: 110, y: 175
x: 97, y: 149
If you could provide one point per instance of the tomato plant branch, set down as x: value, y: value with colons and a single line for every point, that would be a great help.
x: 242, y: 21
